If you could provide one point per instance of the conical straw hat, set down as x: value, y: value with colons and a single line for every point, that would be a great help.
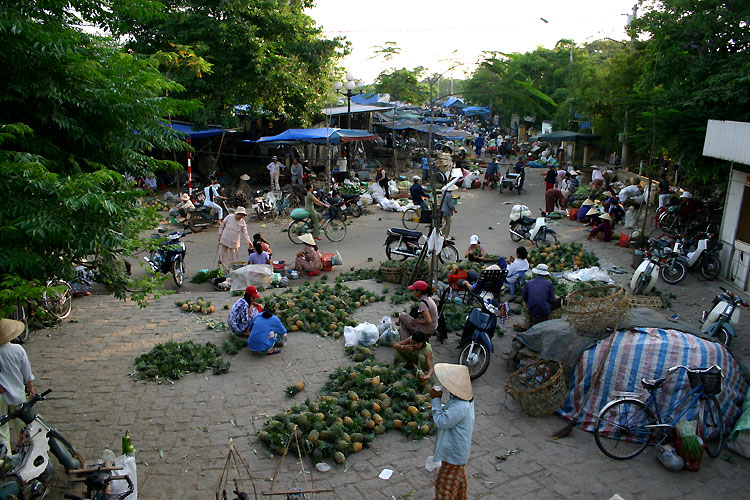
x: 455, y: 379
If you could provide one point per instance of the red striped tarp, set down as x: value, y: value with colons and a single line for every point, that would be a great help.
x: 649, y: 353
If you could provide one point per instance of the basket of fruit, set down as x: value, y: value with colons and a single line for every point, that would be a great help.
x: 592, y: 310
x: 538, y: 388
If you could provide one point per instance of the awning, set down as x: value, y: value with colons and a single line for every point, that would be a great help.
x: 191, y: 131
x: 355, y: 108
x: 567, y: 135
x: 454, y: 102
x: 475, y: 110
x: 419, y: 126
x: 366, y: 99
x: 457, y: 134
x: 438, y: 119
x: 318, y: 136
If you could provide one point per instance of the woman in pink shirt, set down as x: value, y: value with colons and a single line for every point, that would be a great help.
x: 232, y: 228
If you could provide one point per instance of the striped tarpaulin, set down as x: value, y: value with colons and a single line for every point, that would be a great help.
x: 649, y: 353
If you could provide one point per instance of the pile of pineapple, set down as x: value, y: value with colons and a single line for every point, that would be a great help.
x: 358, y: 403
x: 199, y: 305
x: 318, y: 308
x: 563, y: 257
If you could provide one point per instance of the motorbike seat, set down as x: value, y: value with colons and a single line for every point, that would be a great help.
x: 348, y: 196
x: 405, y: 232
x: 652, y: 384
x: 528, y: 220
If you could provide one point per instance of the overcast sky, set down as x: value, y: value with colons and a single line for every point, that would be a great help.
x: 428, y: 32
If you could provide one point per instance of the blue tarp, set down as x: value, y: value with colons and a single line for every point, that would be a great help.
x: 475, y: 110
x: 366, y: 99
x: 454, y: 102
x: 190, y: 131
x: 319, y: 136
x: 438, y: 119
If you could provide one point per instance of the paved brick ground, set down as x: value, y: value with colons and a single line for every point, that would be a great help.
x: 87, y: 363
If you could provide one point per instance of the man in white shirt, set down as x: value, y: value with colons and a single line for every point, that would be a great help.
x: 211, y: 195
x: 274, y: 168
x: 16, y: 378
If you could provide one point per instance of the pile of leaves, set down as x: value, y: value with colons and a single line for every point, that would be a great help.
x: 199, y: 305
x: 204, y: 275
x: 357, y: 274
x: 318, y: 308
x: 358, y: 403
x: 563, y: 257
x: 172, y: 360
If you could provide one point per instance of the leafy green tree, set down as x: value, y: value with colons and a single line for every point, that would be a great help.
x: 403, y: 85
x: 77, y: 114
x: 265, y: 53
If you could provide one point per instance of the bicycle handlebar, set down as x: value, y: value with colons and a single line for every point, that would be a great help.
x: 695, y: 370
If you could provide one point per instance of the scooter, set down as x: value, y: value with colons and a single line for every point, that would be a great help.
x: 31, y: 471
x: 201, y: 217
x: 476, y: 341
x: 169, y: 256
x: 655, y: 262
x: 265, y: 204
x: 725, y: 313
x: 704, y: 256
x: 352, y: 204
x: 535, y: 230
x: 400, y: 244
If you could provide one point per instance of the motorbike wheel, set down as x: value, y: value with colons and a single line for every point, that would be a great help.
x: 500, y: 186
x: 476, y: 358
x: 516, y: 228
x: 393, y: 245
x: 197, y: 225
x: 546, y: 240
x: 356, y: 210
x: 667, y: 220
x: 296, y: 229
x: 673, y: 272
x: 448, y: 254
x: 410, y: 218
x: 260, y: 213
x: 723, y: 336
x: 178, y: 272
x: 519, y: 189
x: 710, y: 267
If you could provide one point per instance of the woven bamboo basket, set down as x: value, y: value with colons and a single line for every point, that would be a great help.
x: 645, y: 301
x: 390, y: 274
x: 538, y: 388
x: 592, y: 310
x: 406, y: 270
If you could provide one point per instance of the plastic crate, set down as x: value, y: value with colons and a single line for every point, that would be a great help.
x: 327, y: 260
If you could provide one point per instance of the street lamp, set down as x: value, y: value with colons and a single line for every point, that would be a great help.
x: 349, y: 85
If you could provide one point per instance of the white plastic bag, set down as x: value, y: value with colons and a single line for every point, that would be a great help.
x: 384, y: 323
x: 389, y: 336
x: 390, y: 205
x: 469, y: 179
x: 366, y: 199
x: 351, y: 336
x: 588, y: 274
x: 364, y: 334
x: 337, y: 260
x: 392, y: 187
x: 435, y: 242
x: 518, y: 211
x: 430, y: 464
x: 251, y: 274
x: 128, y: 469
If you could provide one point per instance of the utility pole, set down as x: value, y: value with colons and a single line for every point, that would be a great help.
x: 625, y: 156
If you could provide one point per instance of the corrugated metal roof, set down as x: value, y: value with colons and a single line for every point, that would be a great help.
x: 728, y: 140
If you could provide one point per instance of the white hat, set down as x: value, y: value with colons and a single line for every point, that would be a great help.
x: 595, y: 167
x: 307, y: 238
x: 686, y: 194
x: 455, y: 379
x: 541, y: 269
x: 11, y: 329
x: 587, y: 203
x: 608, y: 194
x: 606, y: 217
x: 245, y: 177
x: 575, y: 172
x: 240, y: 211
x: 415, y: 178
x: 275, y: 158
x: 474, y: 239
x: 452, y: 188
x: 184, y: 197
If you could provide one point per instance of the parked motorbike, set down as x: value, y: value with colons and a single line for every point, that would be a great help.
x: 31, y: 471
x: 655, y: 263
x: 201, y: 217
x: 400, y: 244
x: 704, y: 256
x: 722, y: 318
x: 169, y: 257
x: 476, y: 342
x: 534, y: 230
x: 265, y: 204
x: 352, y: 204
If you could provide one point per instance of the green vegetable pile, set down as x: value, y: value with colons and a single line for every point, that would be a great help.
x: 320, y: 309
x: 563, y: 257
x: 204, y: 275
x: 172, y: 360
x: 358, y: 403
x: 355, y: 275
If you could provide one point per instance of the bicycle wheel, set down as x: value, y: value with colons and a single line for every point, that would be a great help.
x: 668, y: 220
x: 410, y: 218
x: 296, y: 229
x: 623, y: 424
x: 713, y: 426
x: 335, y: 230
x: 20, y: 315
x: 58, y: 299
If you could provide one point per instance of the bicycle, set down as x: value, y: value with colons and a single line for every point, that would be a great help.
x: 412, y: 217
x: 630, y: 424
x: 56, y: 300
x: 333, y: 227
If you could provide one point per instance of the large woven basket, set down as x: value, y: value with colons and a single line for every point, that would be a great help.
x: 390, y: 274
x: 592, y: 310
x: 538, y: 388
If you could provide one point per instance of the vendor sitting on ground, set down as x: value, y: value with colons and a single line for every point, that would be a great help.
x: 263, y: 243
x: 518, y: 265
x: 258, y: 256
x: 309, y: 259
x: 539, y: 295
x: 423, y: 317
x: 603, y: 230
x: 415, y: 352
x: 267, y: 334
x: 243, y: 312
x: 475, y: 252
x: 614, y: 209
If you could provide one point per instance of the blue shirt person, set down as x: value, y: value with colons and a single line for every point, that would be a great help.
x: 539, y: 295
x: 417, y: 194
x: 267, y: 332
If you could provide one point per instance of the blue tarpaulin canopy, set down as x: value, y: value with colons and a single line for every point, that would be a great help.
x: 319, y: 136
x: 366, y: 99
x: 567, y: 135
x: 421, y: 127
x: 438, y: 119
x: 190, y: 130
x: 454, y: 102
x: 457, y: 134
x: 475, y: 110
